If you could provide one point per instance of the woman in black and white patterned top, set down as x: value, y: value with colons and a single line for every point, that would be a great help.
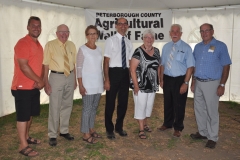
x: 145, y: 72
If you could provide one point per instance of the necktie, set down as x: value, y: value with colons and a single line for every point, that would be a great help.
x: 170, y: 58
x: 66, y: 63
x: 123, y: 54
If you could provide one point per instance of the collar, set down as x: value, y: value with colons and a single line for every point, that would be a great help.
x: 30, y: 39
x: 213, y: 41
x: 178, y: 43
x: 60, y: 43
x: 119, y: 35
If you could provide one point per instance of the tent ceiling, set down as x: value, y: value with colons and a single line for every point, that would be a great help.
x: 142, y: 4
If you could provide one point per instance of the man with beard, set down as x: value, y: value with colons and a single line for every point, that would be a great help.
x: 27, y: 81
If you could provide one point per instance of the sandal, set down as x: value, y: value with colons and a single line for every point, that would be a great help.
x: 31, y: 140
x: 147, y: 129
x: 27, y: 150
x: 90, y: 140
x: 143, y: 135
x: 95, y: 135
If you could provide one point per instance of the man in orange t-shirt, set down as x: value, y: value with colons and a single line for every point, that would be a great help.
x: 27, y: 81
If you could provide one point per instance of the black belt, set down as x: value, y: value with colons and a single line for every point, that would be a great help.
x: 119, y: 68
x: 204, y: 80
x: 59, y: 72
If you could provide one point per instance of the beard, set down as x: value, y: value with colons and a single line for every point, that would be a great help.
x: 35, y: 35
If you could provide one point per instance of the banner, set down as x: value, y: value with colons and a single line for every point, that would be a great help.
x: 159, y: 21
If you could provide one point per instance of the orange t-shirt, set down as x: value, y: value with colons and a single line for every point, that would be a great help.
x: 27, y: 48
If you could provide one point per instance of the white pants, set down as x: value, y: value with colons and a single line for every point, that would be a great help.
x: 143, y: 103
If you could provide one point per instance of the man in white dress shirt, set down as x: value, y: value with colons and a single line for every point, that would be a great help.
x: 118, y: 53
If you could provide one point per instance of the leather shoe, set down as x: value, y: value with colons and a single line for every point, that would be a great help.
x: 121, y: 133
x: 52, y: 141
x: 67, y: 136
x: 163, y: 128
x: 197, y: 136
x: 211, y: 144
x: 176, y: 133
x: 110, y: 135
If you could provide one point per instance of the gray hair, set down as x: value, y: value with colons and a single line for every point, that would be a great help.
x: 176, y: 25
x: 148, y: 31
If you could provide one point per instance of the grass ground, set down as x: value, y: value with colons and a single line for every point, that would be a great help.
x: 158, y: 145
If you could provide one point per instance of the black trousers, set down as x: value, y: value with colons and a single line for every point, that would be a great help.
x: 174, y: 102
x: 119, y: 86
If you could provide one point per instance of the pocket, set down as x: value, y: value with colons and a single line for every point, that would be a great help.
x: 180, y: 57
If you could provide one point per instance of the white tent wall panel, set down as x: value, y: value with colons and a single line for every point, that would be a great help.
x: 222, y: 21
x: 235, y: 68
x: 11, y: 27
x: 14, y: 15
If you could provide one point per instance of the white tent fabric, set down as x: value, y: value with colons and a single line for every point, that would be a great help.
x: 227, y: 29
x: 14, y: 15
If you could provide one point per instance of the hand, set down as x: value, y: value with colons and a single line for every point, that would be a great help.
x: 75, y: 85
x: 82, y: 90
x: 192, y: 85
x: 107, y: 85
x: 183, y: 88
x: 220, y: 91
x: 48, y: 89
x: 35, y: 85
x: 135, y: 90
x: 39, y: 85
x: 161, y: 84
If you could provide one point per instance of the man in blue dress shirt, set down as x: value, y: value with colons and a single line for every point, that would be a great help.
x: 210, y: 75
x: 176, y: 70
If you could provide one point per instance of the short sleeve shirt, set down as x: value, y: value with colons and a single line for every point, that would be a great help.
x: 210, y: 59
x: 182, y: 58
x: 54, y: 55
x: 113, y: 50
x: 147, y: 70
x: 27, y: 48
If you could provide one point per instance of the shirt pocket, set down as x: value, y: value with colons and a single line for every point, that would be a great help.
x: 211, y: 57
x: 180, y: 57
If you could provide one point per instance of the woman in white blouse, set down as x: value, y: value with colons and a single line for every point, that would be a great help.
x: 90, y: 80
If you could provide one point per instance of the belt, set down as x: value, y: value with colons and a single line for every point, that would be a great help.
x: 59, y: 72
x: 204, y: 80
x: 119, y: 68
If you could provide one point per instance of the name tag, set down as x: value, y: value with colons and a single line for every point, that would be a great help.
x: 210, y: 50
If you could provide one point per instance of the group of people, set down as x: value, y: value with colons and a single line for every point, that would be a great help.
x: 143, y: 70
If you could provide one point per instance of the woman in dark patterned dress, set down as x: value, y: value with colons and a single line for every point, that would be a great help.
x: 145, y: 72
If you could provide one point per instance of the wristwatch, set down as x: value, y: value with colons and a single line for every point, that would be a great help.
x: 222, y: 85
x: 186, y: 83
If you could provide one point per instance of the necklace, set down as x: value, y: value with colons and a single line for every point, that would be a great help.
x: 146, y: 49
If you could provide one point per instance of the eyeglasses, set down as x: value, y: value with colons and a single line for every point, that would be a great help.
x: 92, y: 34
x: 148, y: 38
x: 205, y: 31
x: 122, y: 24
x: 62, y: 32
